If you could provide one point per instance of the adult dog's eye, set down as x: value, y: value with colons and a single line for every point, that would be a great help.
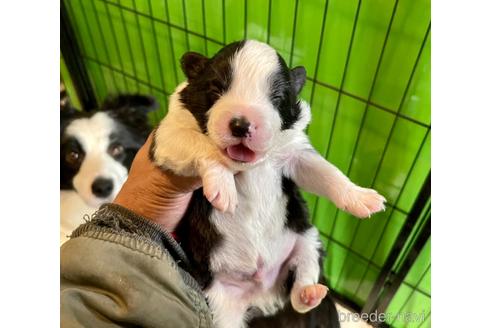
x: 116, y: 150
x: 73, y: 157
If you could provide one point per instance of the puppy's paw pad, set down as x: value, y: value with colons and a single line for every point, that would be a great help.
x: 363, y: 202
x: 308, y: 297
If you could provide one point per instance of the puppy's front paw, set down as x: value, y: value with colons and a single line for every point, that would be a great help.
x: 362, y: 202
x: 308, y: 297
x: 220, y: 189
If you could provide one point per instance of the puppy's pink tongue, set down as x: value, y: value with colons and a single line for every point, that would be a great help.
x: 241, y: 153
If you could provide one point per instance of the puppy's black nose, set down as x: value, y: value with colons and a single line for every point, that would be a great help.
x: 239, y: 126
x: 102, y: 187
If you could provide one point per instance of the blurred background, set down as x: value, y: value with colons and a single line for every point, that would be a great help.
x: 368, y: 66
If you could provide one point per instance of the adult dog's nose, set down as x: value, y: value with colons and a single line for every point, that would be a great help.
x: 239, y: 126
x: 102, y: 187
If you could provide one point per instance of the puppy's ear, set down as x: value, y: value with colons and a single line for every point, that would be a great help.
x: 192, y: 64
x: 298, y: 77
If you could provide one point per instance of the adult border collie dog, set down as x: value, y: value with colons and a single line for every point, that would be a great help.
x: 96, y: 151
x: 237, y: 123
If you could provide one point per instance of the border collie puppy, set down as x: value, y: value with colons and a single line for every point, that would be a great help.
x: 97, y: 149
x: 237, y: 123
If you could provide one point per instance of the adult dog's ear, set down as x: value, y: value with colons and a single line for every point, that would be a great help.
x: 67, y: 110
x: 144, y: 103
x: 298, y: 77
x: 64, y: 101
x: 192, y: 64
x: 132, y: 110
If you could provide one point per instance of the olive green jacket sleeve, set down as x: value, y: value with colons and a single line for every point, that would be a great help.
x: 122, y: 270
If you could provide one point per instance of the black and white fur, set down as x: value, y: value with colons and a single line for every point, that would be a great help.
x: 96, y: 151
x: 237, y: 123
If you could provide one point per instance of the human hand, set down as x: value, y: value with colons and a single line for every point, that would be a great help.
x: 157, y: 195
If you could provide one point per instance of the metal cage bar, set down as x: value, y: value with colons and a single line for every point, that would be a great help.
x: 388, y: 141
x: 424, y: 195
x: 72, y: 56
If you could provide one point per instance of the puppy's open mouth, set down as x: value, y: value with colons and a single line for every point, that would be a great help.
x: 241, y: 153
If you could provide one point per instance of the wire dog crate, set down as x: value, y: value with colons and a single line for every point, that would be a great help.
x: 368, y: 64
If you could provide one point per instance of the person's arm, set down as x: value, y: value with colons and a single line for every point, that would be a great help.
x: 158, y: 195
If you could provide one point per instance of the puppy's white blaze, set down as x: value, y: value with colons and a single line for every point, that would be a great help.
x: 93, y: 135
x: 252, y: 67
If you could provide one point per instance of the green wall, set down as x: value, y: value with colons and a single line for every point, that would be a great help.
x: 368, y: 65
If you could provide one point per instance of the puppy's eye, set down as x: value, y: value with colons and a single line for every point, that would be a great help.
x: 216, y: 87
x: 116, y: 150
x: 73, y: 157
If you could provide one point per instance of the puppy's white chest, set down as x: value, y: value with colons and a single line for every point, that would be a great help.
x: 255, y: 240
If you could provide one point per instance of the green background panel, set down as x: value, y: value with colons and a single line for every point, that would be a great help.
x: 336, y: 42
x: 282, y: 25
x: 307, y: 28
x: 413, y: 296
x: 67, y: 81
x: 365, y: 284
x: 234, y: 20
x: 257, y: 16
x: 368, y: 66
x: 373, y: 22
x: 402, y: 49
